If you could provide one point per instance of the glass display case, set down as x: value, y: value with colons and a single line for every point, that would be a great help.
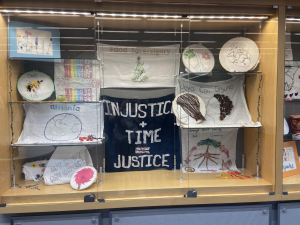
x: 138, y: 106
x: 290, y: 159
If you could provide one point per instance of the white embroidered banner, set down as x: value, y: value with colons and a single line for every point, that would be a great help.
x: 64, y: 162
x: 224, y: 101
x: 77, y: 79
x: 62, y: 122
x: 208, y: 150
x: 142, y: 67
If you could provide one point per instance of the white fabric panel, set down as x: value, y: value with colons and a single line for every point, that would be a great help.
x: 64, y: 162
x: 292, y: 81
x: 77, y: 79
x: 139, y: 67
x: 198, y: 141
x: 233, y: 88
x: 61, y: 122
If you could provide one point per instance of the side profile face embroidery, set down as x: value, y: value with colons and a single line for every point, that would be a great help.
x: 226, y: 105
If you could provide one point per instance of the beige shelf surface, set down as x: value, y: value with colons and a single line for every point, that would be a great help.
x: 291, y: 183
x: 138, y: 184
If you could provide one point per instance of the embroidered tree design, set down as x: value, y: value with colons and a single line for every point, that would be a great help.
x: 207, y: 156
x: 139, y: 72
x: 83, y: 176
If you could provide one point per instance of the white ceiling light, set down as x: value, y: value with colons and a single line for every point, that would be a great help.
x: 226, y: 17
x: 44, y: 12
x: 137, y: 15
x: 293, y: 19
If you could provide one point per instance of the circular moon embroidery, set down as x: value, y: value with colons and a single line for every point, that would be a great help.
x: 239, y: 55
x: 63, y: 127
x: 83, y: 178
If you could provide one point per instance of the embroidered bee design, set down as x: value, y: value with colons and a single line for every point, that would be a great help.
x: 33, y: 85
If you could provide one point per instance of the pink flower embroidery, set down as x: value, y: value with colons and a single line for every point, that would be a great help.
x: 83, y: 176
x: 224, y: 150
x: 43, y: 170
x: 189, y: 155
x: 205, y: 56
x: 27, y: 33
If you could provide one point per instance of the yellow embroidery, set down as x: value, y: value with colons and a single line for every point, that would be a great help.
x: 33, y: 165
x: 33, y: 85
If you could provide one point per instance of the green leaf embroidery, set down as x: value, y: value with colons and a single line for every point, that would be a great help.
x: 210, y: 142
x: 189, y: 54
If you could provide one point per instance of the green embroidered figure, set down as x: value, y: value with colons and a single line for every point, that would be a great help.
x: 189, y: 54
x: 139, y: 73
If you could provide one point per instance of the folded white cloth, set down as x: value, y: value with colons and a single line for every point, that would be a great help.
x: 35, y: 170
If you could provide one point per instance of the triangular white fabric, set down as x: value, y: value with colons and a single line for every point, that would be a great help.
x: 64, y: 162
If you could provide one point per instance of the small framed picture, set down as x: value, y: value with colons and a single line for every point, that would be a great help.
x: 28, y: 40
x: 291, y: 165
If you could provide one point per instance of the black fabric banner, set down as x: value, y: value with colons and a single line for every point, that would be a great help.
x: 141, y: 134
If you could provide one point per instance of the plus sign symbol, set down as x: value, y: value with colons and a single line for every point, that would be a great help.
x: 143, y: 124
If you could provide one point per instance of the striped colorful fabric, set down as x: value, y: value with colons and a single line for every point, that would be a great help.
x: 77, y: 79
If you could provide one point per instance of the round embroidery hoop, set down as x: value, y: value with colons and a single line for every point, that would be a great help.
x: 40, y: 89
x: 197, y: 59
x: 83, y: 178
x: 239, y: 55
x: 286, y: 129
x: 182, y: 116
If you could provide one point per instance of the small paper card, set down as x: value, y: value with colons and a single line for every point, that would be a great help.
x: 29, y: 40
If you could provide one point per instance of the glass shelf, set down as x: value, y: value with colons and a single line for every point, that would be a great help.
x: 211, y: 76
x: 219, y: 127
x: 85, y: 143
x: 38, y: 102
x: 220, y: 73
x: 56, y: 60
